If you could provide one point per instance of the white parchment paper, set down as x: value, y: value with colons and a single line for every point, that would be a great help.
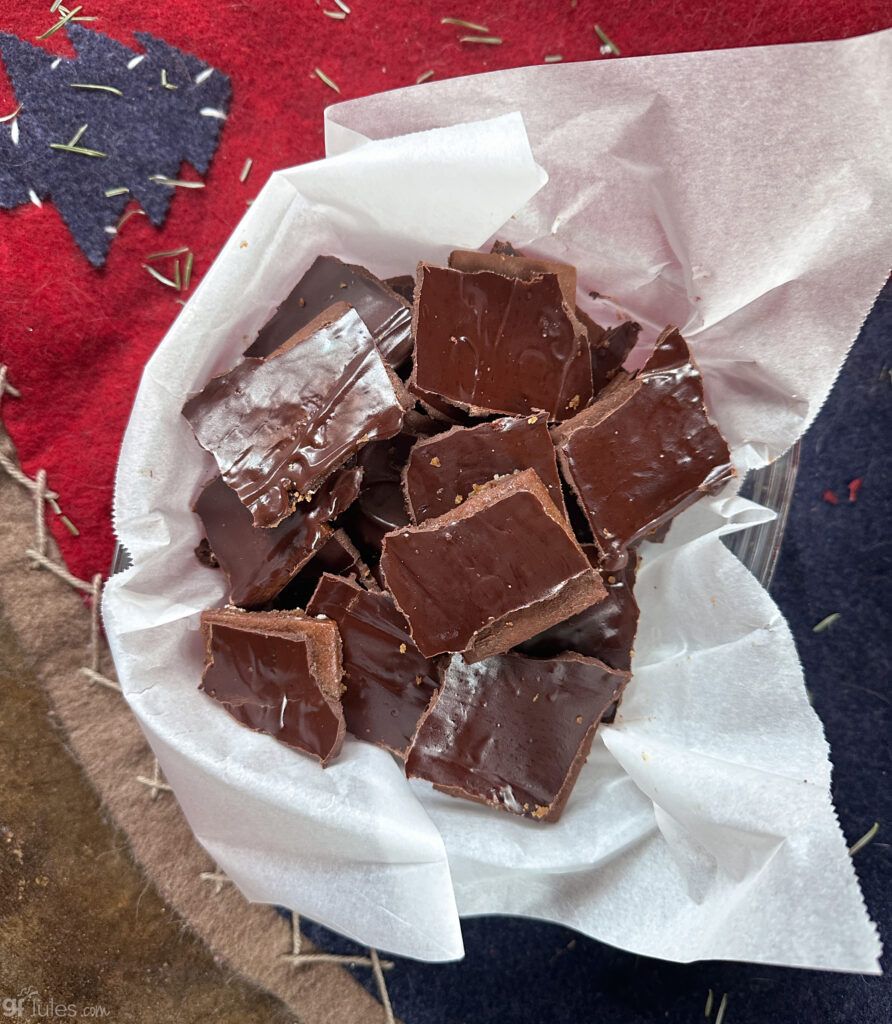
x: 743, y: 195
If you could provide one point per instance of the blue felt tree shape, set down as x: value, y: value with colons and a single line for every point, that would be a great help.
x: 170, y: 109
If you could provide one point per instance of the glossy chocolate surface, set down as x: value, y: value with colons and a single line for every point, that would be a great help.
x: 386, y: 314
x: 494, y: 344
x: 450, y: 464
x: 279, y: 426
x: 337, y: 555
x: 515, y: 264
x: 610, y: 350
x: 259, y: 563
x: 277, y: 673
x: 389, y: 683
x: 644, y: 451
x: 605, y: 630
x: 513, y: 732
x: 500, y: 568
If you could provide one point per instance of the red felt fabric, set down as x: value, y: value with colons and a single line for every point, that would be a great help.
x: 75, y: 339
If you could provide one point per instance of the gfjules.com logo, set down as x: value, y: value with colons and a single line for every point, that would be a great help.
x: 29, y: 1003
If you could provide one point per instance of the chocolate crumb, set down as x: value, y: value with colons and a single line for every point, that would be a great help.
x: 435, y: 461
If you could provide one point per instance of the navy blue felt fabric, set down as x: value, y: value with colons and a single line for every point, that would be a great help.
x: 835, y: 558
x: 148, y: 130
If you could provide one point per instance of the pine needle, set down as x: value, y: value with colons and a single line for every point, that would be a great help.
x: 865, y: 839
x: 337, y: 15
x: 109, y: 192
x: 343, y: 6
x: 424, y: 77
x: 160, y: 277
x: 70, y: 525
x: 246, y: 170
x: 464, y: 24
x: 127, y: 215
x: 15, y: 113
x: 606, y: 40
x: 66, y: 17
x: 78, y: 135
x: 826, y: 623
x: 103, y: 88
x: 167, y: 255
x: 187, y: 273
x: 553, y: 58
x: 708, y: 1010
x: 77, y: 149
x: 322, y: 75
x: 175, y: 182
x: 723, y: 1005
x: 164, y: 81
x: 489, y: 40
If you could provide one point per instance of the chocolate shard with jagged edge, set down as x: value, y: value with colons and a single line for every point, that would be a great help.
x: 386, y: 313
x: 501, y: 567
x: 260, y: 563
x: 644, y: 451
x: 513, y: 732
x: 388, y: 683
x: 610, y: 350
x: 492, y: 344
x: 279, y: 426
x: 464, y: 458
x: 338, y: 556
x: 277, y: 673
x: 605, y: 630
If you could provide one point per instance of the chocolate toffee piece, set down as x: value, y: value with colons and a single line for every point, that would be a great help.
x: 495, y: 344
x: 644, y: 451
x: 279, y: 426
x: 514, y: 732
x: 386, y: 314
x: 403, y: 285
x: 381, y: 506
x: 388, y: 682
x: 337, y: 556
x: 501, y: 567
x: 524, y: 268
x: 611, y: 350
x: 605, y: 630
x: 459, y: 461
x: 277, y: 673
x: 259, y: 563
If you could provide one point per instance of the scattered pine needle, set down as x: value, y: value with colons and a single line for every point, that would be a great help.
x: 175, y: 182
x: 337, y: 15
x: 160, y: 277
x: 826, y: 623
x: 553, y: 58
x: 77, y: 149
x: 708, y: 1011
x: 66, y: 17
x: 78, y: 135
x: 489, y: 40
x: 102, y: 88
x: 187, y: 273
x: 177, y: 280
x: 323, y: 77
x: 15, y: 113
x: 109, y: 192
x: 865, y: 839
x: 723, y: 1005
x: 70, y: 525
x: 425, y: 76
x: 127, y: 215
x: 606, y: 40
x: 343, y: 6
x: 167, y: 255
x: 164, y: 81
x: 464, y: 24
x: 246, y: 170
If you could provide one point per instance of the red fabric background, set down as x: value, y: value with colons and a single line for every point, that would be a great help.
x: 75, y: 339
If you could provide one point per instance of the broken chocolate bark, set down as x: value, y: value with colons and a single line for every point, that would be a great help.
x: 515, y: 264
x: 514, y: 732
x: 501, y: 567
x: 610, y: 350
x: 279, y: 426
x: 605, y: 630
x: 386, y: 314
x: 495, y: 344
x: 259, y: 563
x: 388, y: 682
x: 337, y: 556
x: 277, y: 673
x: 644, y: 451
x: 461, y: 460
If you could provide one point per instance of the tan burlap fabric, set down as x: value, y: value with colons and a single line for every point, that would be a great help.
x: 51, y: 623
